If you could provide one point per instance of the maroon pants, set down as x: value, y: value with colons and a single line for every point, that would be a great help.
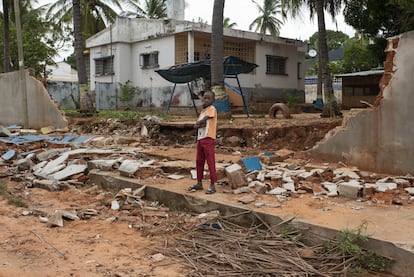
x: 205, y: 152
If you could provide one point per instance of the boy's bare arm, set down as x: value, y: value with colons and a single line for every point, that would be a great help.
x: 201, y: 122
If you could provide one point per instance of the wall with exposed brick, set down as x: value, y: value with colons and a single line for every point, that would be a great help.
x: 380, y: 138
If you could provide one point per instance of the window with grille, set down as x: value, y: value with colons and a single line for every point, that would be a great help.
x: 104, y: 66
x: 276, y: 65
x: 149, y: 60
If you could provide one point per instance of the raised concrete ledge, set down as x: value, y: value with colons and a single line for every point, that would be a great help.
x: 313, y: 234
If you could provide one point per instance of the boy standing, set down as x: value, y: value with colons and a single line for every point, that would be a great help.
x: 206, y: 126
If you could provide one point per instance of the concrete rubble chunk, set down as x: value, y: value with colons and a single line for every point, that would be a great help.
x: 50, y: 185
x: 351, y: 189
x: 24, y: 164
x: 46, y: 170
x: 261, y: 176
x: 175, y: 176
x: 259, y: 187
x: 69, y: 215
x: 332, y: 188
x: 44, y: 173
x: 51, y: 153
x: 68, y: 171
x: 236, y: 176
x: 410, y: 190
x: 401, y: 181
x: 115, y: 205
x: 274, y: 174
x: 290, y: 186
x: 129, y: 167
x: 341, y: 173
x: 382, y: 187
x: 105, y: 165
x: 241, y: 190
x: 247, y: 199
x: 318, y: 189
x: 277, y: 191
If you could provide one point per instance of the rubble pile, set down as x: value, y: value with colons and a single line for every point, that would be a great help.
x: 285, y: 177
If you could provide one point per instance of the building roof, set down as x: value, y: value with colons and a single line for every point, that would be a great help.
x: 131, y: 30
x: 362, y: 73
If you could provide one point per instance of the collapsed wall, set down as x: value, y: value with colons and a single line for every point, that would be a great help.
x: 41, y: 109
x: 380, y: 138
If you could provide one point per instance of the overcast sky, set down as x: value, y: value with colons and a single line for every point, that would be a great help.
x: 243, y: 12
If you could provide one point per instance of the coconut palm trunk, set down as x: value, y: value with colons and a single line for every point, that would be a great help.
x: 6, y: 36
x: 217, y: 54
x: 80, y: 60
x: 330, y: 107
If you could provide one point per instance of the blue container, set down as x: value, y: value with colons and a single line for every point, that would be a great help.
x: 222, y: 106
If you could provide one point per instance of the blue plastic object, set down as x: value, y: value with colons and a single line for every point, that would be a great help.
x: 252, y: 163
x: 222, y: 106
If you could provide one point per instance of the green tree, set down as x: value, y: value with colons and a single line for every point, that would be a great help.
x: 335, y: 39
x: 357, y: 56
x: 227, y: 24
x: 324, y: 75
x: 267, y: 22
x: 38, y: 50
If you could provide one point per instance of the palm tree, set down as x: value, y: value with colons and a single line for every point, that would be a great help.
x: 77, y: 32
x: 318, y: 7
x: 96, y: 14
x: 227, y: 24
x: 152, y: 9
x: 217, y: 50
x: 267, y: 20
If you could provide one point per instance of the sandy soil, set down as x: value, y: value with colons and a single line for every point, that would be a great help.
x: 123, y: 243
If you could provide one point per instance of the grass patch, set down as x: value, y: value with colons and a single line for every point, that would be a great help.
x: 11, y: 199
x: 349, y: 244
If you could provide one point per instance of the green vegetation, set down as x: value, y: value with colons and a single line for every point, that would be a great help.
x: 349, y: 245
x: 127, y: 92
x: 291, y: 99
x: 11, y: 199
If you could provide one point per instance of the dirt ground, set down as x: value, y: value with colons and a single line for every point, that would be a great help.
x: 125, y: 242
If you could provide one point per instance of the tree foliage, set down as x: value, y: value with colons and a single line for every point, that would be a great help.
x: 335, y: 39
x: 267, y: 21
x: 358, y: 56
x: 38, y: 49
x: 382, y: 18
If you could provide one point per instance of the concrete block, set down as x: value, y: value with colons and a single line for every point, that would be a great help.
x: 236, y: 176
x: 352, y: 189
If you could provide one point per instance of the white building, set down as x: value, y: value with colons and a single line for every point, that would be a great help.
x: 61, y: 71
x: 132, y: 49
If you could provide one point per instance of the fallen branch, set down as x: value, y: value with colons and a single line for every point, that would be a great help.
x: 54, y: 248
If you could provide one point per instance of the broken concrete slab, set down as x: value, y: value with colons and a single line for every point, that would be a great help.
x: 103, y: 164
x: 67, y: 172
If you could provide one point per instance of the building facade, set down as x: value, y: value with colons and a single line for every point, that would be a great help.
x: 131, y: 50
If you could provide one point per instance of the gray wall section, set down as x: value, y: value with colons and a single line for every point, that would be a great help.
x: 65, y: 93
x: 42, y: 110
x: 380, y: 139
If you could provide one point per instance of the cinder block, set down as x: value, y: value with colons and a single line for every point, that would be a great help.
x: 236, y: 176
x: 352, y: 189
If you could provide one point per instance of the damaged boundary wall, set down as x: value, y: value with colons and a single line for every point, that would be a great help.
x: 380, y: 138
x: 42, y: 110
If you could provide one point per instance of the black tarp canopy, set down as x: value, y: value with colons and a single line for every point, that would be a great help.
x: 187, y: 72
